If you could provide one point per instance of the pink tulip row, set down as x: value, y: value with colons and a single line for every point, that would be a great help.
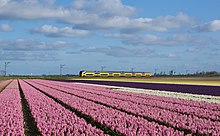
x: 189, y: 122
x: 11, y: 117
x: 204, y: 105
x: 175, y: 107
x: 117, y: 120
x: 52, y: 118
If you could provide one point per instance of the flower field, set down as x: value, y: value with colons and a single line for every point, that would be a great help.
x: 11, y: 118
x: 213, y: 90
x: 46, y: 107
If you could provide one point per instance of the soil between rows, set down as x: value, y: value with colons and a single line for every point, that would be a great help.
x: 30, y: 126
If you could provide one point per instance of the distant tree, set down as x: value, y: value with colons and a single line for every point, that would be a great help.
x: 171, y: 72
x: 207, y: 73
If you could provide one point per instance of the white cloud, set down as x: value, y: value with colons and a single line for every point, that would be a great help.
x: 28, y: 10
x: 53, y: 31
x: 172, y: 55
x: 119, y: 51
x: 33, y: 45
x: 28, y: 56
x: 22, y: 49
x: 132, y: 25
x: 92, y: 14
x: 124, y: 52
x: 104, y: 7
x: 87, y: 12
x: 4, y: 2
x: 163, y: 23
x: 209, y: 27
x: 194, y: 50
x: 116, y: 35
x: 177, y: 39
x: 147, y: 38
x: 5, y: 28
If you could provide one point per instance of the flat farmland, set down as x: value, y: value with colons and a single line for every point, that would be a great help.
x: 44, y: 107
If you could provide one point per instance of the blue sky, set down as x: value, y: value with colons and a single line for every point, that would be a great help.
x: 37, y: 36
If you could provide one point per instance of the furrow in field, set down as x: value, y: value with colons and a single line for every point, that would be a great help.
x: 172, y: 118
x: 52, y: 118
x: 4, y: 84
x: 116, y: 119
x: 30, y: 126
x: 11, y: 118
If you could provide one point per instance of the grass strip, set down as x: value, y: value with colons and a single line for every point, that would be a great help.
x: 30, y: 126
x: 88, y: 119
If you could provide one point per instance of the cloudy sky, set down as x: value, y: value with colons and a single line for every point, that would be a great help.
x: 37, y: 36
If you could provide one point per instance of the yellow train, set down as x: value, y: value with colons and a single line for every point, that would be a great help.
x: 85, y: 73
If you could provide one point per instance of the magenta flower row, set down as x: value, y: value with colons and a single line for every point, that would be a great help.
x: 175, y: 107
x: 204, y: 105
x: 52, y: 118
x: 117, y: 120
x: 11, y: 117
x: 190, y: 122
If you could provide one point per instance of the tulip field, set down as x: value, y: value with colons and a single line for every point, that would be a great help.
x: 45, y: 107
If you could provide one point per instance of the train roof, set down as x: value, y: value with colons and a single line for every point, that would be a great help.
x: 116, y: 71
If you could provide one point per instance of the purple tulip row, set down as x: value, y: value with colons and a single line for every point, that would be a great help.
x: 175, y: 88
x: 52, y: 118
x: 11, y: 117
x: 189, y: 122
x: 117, y: 120
x: 175, y: 107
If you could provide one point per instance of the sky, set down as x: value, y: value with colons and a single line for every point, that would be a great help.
x: 37, y: 36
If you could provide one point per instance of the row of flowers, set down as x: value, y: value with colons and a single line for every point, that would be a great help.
x: 116, y: 119
x: 11, y: 117
x: 54, y: 119
x: 186, y: 121
x: 177, y: 95
x: 201, y: 101
x: 152, y: 102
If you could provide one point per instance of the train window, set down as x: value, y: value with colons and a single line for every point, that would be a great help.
x: 104, y: 74
x: 89, y: 74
